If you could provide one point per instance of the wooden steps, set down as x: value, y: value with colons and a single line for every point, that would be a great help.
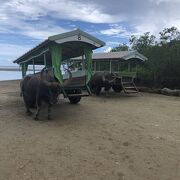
x: 128, y: 85
x: 75, y: 95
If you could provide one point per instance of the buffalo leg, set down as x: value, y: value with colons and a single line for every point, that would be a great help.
x: 28, y: 112
x: 38, y: 105
x: 107, y: 88
x: 37, y: 113
x: 27, y: 104
x: 98, y: 90
x: 49, y: 112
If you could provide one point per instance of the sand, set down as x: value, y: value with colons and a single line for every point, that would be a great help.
x: 118, y: 137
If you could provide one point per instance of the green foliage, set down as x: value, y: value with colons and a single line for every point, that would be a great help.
x: 120, y: 47
x: 144, y: 73
x: 169, y: 34
x: 163, y: 64
x: 143, y: 43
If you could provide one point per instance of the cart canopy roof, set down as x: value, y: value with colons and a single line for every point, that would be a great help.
x: 124, y: 55
x: 72, y: 44
x: 116, y: 56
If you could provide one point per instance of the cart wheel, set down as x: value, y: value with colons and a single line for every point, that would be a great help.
x: 75, y: 99
x: 117, y: 88
x: 98, y: 91
x: 95, y: 90
x: 92, y: 89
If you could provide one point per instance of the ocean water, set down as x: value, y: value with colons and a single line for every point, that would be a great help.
x: 10, y: 75
x: 13, y: 75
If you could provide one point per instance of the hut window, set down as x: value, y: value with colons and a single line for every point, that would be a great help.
x: 102, y: 66
x: 114, y: 66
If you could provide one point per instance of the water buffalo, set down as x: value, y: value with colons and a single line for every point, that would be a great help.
x: 100, y: 80
x: 42, y: 86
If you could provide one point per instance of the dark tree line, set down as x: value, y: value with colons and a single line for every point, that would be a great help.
x: 162, y: 69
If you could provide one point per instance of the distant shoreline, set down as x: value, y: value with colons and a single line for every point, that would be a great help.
x: 15, y: 68
x: 1, y: 81
x: 10, y: 75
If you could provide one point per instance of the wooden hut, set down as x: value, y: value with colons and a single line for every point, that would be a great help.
x: 124, y: 63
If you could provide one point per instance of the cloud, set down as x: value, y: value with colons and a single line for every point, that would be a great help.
x: 42, y: 31
x: 108, y: 49
x: 115, y: 30
x: 72, y: 10
x: 35, y: 29
x: 39, y: 19
x: 112, y: 43
x: 10, y: 52
x: 110, y: 19
x: 28, y: 17
x: 158, y: 2
x: 142, y: 15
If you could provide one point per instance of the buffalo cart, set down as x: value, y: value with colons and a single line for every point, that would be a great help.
x: 121, y: 65
x: 56, y: 52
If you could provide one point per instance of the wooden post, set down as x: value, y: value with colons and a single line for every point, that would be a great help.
x: 45, y: 60
x: 136, y: 67
x: 94, y: 66
x: 118, y: 66
x: 129, y: 66
x: 110, y: 65
x: 83, y: 65
x: 33, y: 67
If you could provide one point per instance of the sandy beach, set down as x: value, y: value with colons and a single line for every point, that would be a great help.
x: 118, y: 137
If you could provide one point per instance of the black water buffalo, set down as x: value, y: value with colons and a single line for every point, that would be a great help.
x: 40, y: 87
x: 100, y: 80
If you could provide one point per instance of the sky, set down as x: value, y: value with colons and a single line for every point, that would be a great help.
x: 26, y: 23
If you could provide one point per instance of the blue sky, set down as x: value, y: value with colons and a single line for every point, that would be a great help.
x: 26, y: 23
